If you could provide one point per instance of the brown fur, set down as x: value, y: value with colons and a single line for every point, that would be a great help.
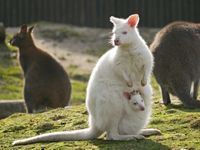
x: 46, y: 82
x: 176, y: 49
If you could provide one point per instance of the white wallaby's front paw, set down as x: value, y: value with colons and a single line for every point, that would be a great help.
x: 144, y: 82
x: 129, y: 83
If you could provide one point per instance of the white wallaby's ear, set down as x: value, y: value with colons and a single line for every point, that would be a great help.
x: 133, y: 20
x: 115, y: 20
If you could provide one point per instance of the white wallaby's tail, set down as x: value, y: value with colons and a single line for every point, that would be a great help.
x: 83, y: 134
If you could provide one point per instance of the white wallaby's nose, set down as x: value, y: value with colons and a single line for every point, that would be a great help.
x: 117, y: 42
x: 142, y: 108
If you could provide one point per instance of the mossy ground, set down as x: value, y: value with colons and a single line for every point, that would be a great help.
x: 180, y: 127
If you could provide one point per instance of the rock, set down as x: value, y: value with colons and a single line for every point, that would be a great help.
x: 8, y: 107
x: 2, y: 33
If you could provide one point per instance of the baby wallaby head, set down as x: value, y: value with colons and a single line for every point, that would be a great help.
x: 23, y: 37
x: 135, y: 100
x: 124, y: 30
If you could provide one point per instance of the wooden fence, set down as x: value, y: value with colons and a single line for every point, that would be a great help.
x: 95, y: 13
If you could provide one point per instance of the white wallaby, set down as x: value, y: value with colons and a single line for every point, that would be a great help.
x: 126, y: 66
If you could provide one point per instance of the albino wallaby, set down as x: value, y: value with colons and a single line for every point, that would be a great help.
x: 128, y: 63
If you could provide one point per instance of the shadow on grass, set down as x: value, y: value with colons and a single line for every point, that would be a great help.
x: 146, y: 144
x: 182, y: 108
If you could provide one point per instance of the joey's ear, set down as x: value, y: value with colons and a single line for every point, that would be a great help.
x: 30, y: 29
x: 23, y: 28
x: 133, y: 20
x: 115, y: 20
x: 127, y: 95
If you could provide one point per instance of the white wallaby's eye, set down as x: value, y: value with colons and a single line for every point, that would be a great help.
x: 135, y: 103
x: 124, y: 32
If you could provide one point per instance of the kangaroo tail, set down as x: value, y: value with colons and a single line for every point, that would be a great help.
x: 83, y: 134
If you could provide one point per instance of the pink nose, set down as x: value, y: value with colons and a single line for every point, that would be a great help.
x: 142, y: 108
x: 116, y: 41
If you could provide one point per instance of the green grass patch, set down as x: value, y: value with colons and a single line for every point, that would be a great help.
x: 180, y: 129
x: 78, y: 92
x: 11, y: 78
x: 76, y: 74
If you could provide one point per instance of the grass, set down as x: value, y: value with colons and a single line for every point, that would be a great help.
x: 10, y: 73
x: 78, y: 92
x: 180, y: 127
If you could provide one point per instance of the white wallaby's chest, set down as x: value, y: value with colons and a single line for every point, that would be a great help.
x: 131, y: 64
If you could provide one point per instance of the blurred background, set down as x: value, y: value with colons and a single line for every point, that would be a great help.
x: 77, y: 33
x: 95, y: 13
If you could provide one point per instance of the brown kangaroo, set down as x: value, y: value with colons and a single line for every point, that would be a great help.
x: 46, y: 83
x: 176, y: 49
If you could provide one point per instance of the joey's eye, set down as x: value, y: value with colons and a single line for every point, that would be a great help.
x: 135, y: 103
x: 124, y: 32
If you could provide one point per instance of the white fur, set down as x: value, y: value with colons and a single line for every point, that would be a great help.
x: 136, y: 102
x: 130, y: 62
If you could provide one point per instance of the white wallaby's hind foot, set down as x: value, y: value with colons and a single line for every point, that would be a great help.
x: 125, y: 137
x: 148, y: 132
